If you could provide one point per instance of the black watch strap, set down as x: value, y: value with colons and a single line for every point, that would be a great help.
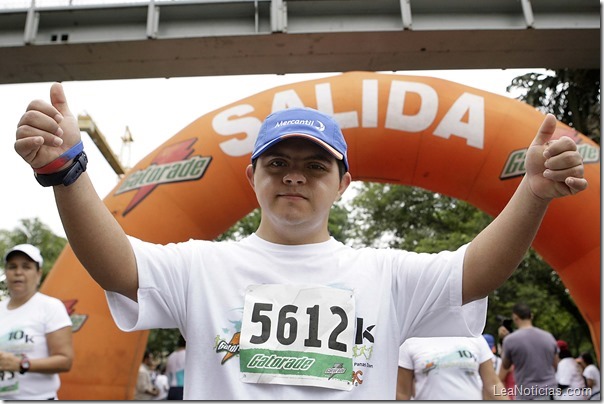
x: 24, y: 365
x: 67, y: 176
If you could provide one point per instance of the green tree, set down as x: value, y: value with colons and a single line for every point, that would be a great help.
x: 412, y: 219
x: 572, y: 95
x: 538, y: 285
x: 162, y: 341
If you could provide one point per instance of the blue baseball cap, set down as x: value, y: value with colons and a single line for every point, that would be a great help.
x: 490, y: 340
x: 306, y: 123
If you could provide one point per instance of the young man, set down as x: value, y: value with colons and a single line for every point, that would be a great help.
x: 308, y: 317
x: 534, y: 354
x: 591, y: 373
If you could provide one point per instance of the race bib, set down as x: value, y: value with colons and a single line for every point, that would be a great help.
x: 9, y: 383
x: 297, y: 335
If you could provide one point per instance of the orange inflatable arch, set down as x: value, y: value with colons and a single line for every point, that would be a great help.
x: 419, y: 131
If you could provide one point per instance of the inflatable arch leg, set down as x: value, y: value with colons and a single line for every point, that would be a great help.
x: 420, y: 131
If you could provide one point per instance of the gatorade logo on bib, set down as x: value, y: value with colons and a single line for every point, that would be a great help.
x: 297, y: 335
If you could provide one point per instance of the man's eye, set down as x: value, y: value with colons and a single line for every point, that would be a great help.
x: 277, y: 163
x: 317, y: 166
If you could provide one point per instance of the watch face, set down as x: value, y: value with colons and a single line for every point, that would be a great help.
x: 24, y: 365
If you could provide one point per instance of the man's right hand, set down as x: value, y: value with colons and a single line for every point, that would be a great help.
x: 47, y: 130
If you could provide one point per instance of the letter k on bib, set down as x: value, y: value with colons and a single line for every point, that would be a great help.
x: 299, y: 335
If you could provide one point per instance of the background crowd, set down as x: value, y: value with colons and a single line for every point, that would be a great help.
x: 527, y: 363
x: 161, y: 376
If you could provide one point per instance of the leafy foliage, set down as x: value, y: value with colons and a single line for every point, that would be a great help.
x: 538, y: 285
x: 162, y: 341
x: 413, y: 219
x: 573, y: 96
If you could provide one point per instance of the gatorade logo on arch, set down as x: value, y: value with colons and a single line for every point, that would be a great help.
x: 172, y: 164
x: 514, y: 165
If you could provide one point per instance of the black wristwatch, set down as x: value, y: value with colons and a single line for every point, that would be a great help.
x: 67, y: 176
x: 24, y: 365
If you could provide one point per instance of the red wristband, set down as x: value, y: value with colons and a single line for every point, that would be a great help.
x: 60, y: 161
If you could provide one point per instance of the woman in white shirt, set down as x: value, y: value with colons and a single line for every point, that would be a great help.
x: 591, y: 374
x: 447, y: 368
x: 35, y: 331
x: 568, y: 375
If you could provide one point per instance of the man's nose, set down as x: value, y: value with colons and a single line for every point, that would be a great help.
x: 294, y: 177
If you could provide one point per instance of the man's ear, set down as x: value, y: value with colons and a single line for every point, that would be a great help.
x: 344, y: 184
x: 249, y: 173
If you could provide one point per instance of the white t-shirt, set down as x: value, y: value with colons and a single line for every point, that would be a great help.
x: 446, y: 368
x: 175, y: 367
x: 592, y: 372
x: 496, y: 363
x: 568, y: 373
x: 200, y: 288
x: 161, y: 383
x: 23, y: 331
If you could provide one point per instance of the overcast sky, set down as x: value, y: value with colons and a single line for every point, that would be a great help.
x: 154, y: 110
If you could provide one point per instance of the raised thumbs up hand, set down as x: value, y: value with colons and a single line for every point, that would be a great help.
x: 554, y: 168
x: 47, y: 130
